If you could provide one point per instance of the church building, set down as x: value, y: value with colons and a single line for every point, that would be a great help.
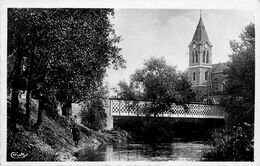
x: 207, y: 79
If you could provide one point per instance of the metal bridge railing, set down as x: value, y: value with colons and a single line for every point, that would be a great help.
x: 119, y: 107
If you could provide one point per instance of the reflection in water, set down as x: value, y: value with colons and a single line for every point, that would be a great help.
x: 143, y: 152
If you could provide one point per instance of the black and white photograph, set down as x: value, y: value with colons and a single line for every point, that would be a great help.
x: 111, y: 84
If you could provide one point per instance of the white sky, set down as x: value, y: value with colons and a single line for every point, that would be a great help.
x: 167, y: 33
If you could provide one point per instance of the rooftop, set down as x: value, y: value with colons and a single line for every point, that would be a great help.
x: 200, y: 34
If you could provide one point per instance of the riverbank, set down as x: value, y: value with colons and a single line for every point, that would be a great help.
x: 53, y: 142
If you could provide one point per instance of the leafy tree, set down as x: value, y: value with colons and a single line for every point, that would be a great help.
x: 157, y: 82
x: 87, y: 45
x: 93, y: 113
x: 34, y: 27
x: 95, y: 116
x: 127, y: 91
x: 157, y: 79
x: 240, y: 85
x: 241, y: 72
x: 236, y: 143
x: 65, y: 53
x: 15, y: 85
x: 23, y: 27
x: 183, y: 87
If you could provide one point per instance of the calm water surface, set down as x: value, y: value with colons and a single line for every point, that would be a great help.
x: 188, y: 151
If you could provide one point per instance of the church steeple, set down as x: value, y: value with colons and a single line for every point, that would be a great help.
x: 200, y: 34
x: 200, y: 56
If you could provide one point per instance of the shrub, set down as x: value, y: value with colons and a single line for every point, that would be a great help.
x: 94, y: 116
x: 235, y: 144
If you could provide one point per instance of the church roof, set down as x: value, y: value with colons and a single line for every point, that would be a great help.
x: 200, y: 34
x: 219, y: 67
x: 185, y: 73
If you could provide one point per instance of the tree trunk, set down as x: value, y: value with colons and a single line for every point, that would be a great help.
x: 28, y: 94
x: 14, y: 108
x: 15, y: 88
x: 40, y: 113
x: 66, y: 109
x: 28, y: 107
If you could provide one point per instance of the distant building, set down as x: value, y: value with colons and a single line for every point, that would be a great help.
x: 207, y: 79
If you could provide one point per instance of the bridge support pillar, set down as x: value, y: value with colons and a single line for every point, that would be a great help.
x: 109, y: 123
x: 109, y: 120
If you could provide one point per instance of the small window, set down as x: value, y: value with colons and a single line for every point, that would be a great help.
x: 207, y: 57
x: 193, y: 58
x: 194, y: 76
x: 206, y: 75
x: 196, y: 57
x: 204, y: 54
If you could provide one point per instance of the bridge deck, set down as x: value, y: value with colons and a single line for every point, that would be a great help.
x: 136, y: 108
x: 172, y: 116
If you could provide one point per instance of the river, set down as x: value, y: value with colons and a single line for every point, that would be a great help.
x: 179, y: 151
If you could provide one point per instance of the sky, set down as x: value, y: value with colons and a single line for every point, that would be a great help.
x: 167, y: 33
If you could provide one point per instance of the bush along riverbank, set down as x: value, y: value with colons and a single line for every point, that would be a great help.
x: 234, y: 144
x: 53, y: 141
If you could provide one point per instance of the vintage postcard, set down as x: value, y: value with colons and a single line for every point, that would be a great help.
x: 129, y: 82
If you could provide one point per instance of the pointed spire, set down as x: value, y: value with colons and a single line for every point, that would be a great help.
x: 200, y: 34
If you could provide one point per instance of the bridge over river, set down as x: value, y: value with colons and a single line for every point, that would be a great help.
x: 132, y: 108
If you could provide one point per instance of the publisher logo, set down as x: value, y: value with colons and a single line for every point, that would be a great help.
x: 17, y: 155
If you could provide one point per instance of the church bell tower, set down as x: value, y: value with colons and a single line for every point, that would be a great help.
x: 200, y: 57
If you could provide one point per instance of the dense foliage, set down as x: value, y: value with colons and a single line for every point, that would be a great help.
x: 93, y: 113
x: 236, y: 143
x: 60, y: 54
x: 241, y: 72
x: 94, y: 116
x: 157, y: 82
x: 157, y: 79
x: 240, y: 88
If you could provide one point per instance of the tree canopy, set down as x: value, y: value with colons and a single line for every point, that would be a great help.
x: 62, y: 54
x: 241, y: 72
x: 156, y: 81
x: 240, y: 86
